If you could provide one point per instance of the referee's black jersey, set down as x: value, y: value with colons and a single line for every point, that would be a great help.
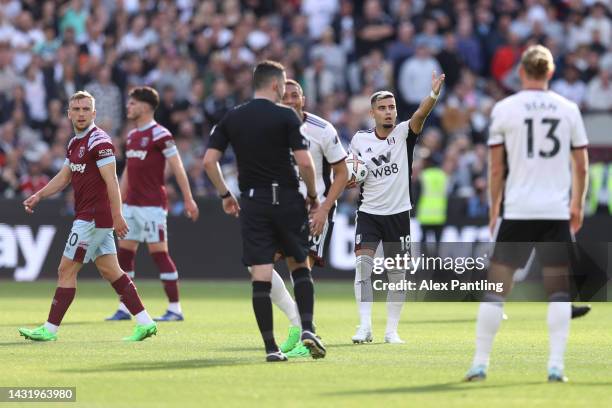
x: 262, y: 134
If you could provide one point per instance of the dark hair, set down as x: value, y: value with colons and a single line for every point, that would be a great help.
x: 265, y: 71
x: 145, y: 94
x: 296, y: 84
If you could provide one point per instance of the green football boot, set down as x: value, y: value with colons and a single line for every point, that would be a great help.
x: 293, y: 339
x: 299, y: 351
x: 142, y: 331
x: 38, y: 334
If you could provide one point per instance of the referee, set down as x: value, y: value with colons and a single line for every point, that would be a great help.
x: 273, y: 213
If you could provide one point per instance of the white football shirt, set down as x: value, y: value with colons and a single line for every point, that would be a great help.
x: 325, y: 148
x: 386, y: 189
x: 538, y: 130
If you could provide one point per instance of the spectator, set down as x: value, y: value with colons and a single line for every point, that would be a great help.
x: 598, y: 24
x: 374, y: 30
x: 570, y: 86
x: 138, y: 38
x: 403, y: 47
x: 506, y: 57
x: 108, y: 101
x: 333, y: 55
x: 414, y: 82
x: 319, y: 81
x: 429, y: 37
x: 75, y: 17
x: 599, y: 93
x: 219, y: 103
x: 450, y: 61
x: 468, y: 46
x: 320, y: 14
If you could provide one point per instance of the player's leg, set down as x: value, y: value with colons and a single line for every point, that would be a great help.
x: 261, y: 278
x: 316, y: 257
x: 556, y: 275
x: 63, y: 297
x: 126, y: 255
x: 368, y: 234
x: 128, y: 246
x: 105, y: 258
x: 259, y: 246
x: 490, y: 316
x: 512, y: 250
x: 396, y: 241
x: 155, y: 233
x: 169, y: 278
x: 282, y: 298
x: 290, y: 229
x: 303, y: 290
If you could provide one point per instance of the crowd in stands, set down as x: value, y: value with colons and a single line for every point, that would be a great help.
x: 199, y: 55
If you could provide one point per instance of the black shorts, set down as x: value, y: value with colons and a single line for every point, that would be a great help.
x: 267, y: 228
x: 318, y: 244
x: 516, y: 239
x: 393, y: 230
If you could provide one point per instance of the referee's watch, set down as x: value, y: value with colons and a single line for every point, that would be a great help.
x: 226, y: 195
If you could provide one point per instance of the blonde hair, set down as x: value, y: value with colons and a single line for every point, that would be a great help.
x: 82, y: 95
x: 537, y: 61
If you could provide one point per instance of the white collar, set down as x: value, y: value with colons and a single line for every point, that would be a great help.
x: 148, y: 125
x: 82, y: 134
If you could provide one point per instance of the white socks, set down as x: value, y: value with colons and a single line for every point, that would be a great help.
x: 51, y: 327
x: 363, y: 289
x: 143, y: 318
x: 123, y: 308
x: 558, y: 319
x: 175, y: 307
x: 395, y: 300
x: 280, y: 297
x: 490, y: 315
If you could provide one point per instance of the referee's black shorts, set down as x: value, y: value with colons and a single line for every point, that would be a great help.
x: 516, y: 239
x: 267, y: 228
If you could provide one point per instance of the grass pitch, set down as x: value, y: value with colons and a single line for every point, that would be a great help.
x: 215, y: 357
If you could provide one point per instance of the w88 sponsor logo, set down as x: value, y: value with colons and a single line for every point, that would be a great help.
x: 386, y: 170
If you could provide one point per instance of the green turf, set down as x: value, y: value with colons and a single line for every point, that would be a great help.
x: 215, y: 357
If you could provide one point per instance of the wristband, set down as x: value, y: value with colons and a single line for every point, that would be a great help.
x: 312, y: 197
x: 226, y: 195
x: 433, y: 95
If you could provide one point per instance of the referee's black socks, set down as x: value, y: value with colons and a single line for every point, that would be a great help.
x: 262, y: 306
x: 303, y: 290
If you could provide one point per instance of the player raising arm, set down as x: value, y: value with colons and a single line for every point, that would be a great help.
x: 384, y: 208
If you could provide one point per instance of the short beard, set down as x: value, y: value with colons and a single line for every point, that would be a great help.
x: 387, y: 126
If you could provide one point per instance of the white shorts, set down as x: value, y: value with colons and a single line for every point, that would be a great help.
x: 146, y: 224
x: 86, y: 242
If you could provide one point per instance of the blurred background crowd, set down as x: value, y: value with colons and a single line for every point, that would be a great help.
x: 200, y: 54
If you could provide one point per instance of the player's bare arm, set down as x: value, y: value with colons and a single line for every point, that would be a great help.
x: 303, y: 159
x: 56, y: 184
x: 213, y: 170
x: 580, y: 180
x: 109, y: 175
x: 319, y: 217
x: 497, y: 169
x: 191, y: 208
x: 123, y: 184
x: 420, y: 115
